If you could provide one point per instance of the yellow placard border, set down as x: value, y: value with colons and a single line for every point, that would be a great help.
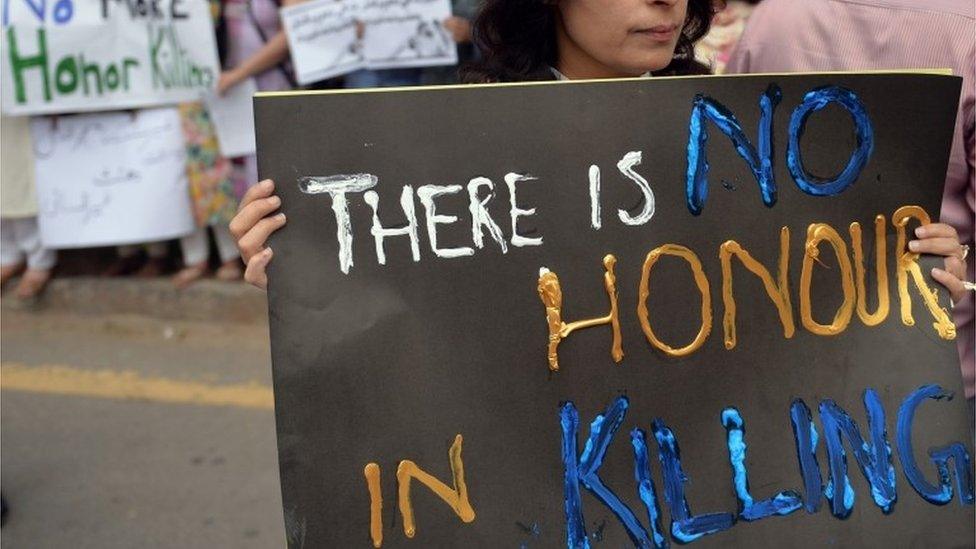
x: 933, y: 72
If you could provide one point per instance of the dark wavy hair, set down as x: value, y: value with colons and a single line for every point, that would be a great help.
x: 517, y: 41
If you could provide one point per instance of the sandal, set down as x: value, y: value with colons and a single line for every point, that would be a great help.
x: 189, y: 274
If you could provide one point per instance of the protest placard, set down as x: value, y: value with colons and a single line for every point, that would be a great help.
x: 616, y: 313
x: 84, y: 55
x: 322, y: 39
x: 233, y: 118
x: 111, y: 178
x: 396, y: 34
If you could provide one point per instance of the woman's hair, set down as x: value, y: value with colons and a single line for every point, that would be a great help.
x: 517, y: 41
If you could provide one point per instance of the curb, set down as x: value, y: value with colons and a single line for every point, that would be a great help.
x: 206, y: 300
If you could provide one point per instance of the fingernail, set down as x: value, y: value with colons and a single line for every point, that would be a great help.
x: 936, y: 270
x: 281, y: 216
x: 275, y: 201
x: 267, y: 252
x: 267, y: 184
x: 913, y: 245
x: 920, y: 231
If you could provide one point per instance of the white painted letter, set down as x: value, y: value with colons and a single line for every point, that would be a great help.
x: 595, y: 218
x: 427, y: 193
x: 518, y: 240
x: 379, y: 232
x: 626, y: 167
x: 337, y: 186
x: 480, y: 216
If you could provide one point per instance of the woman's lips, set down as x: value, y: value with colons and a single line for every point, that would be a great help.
x: 658, y: 33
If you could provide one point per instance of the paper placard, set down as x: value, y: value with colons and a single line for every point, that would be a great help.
x: 232, y: 115
x: 396, y: 34
x: 111, y: 178
x: 322, y: 39
x: 85, y: 55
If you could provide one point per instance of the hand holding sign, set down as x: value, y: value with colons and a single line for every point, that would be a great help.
x: 252, y: 226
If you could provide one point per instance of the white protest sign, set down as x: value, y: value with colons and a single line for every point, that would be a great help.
x: 232, y: 115
x: 396, y: 34
x: 84, y: 55
x: 322, y: 39
x: 111, y: 178
x: 407, y: 33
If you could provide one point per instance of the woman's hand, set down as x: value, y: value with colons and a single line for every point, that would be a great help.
x: 228, y: 79
x: 460, y: 29
x: 251, y: 227
x: 942, y: 239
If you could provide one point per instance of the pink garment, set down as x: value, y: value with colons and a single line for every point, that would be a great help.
x: 250, y: 23
x: 247, y: 21
x: 825, y: 35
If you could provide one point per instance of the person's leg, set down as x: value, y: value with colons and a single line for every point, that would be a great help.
x: 11, y: 258
x: 195, y: 254
x: 156, y: 264
x: 230, y: 268
x: 40, y: 260
x: 129, y: 259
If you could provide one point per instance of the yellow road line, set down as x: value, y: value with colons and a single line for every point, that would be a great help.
x: 130, y: 385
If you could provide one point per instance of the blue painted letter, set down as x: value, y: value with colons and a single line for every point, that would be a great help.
x: 782, y: 503
x: 941, y: 494
x: 806, y: 452
x: 587, y: 469
x: 760, y: 162
x: 874, y: 458
x: 684, y: 527
x: 864, y: 133
x: 645, y: 486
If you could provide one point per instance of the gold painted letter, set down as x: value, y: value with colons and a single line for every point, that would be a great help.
x: 778, y: 292
x: 372, y: 472
x: 706, y: 298
x: 816, y: 233
x: 457, y: 497
x: 908, y: 264
x: 881, y: 268
x: 552, y: 297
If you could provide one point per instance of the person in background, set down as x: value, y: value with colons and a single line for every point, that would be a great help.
x: 212, y: 190
x: 458, y: 26
x: 727, y: 26
x: 214, y: 201
x: 252, y: 44
x: 142, y: 260
x: 833, y: 35
x: 21, y: 249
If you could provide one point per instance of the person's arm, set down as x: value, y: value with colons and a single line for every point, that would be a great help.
x: 274, y: 51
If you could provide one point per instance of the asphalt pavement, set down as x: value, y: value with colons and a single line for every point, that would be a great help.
x: 129, y: 431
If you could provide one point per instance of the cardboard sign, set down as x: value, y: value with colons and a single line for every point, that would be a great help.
x: 396, y: 34
x: 111, y: 178
x: 612, y: 313
x: 84, y: 55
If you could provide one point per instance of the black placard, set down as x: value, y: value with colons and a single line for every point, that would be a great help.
x: 391, y: 362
